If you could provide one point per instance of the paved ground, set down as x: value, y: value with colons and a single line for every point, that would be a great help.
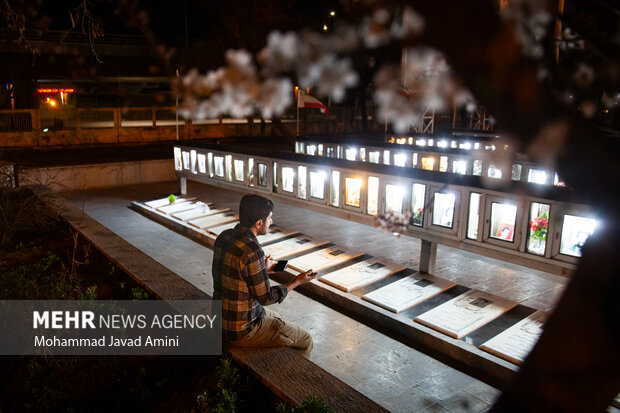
x: 398, y: 377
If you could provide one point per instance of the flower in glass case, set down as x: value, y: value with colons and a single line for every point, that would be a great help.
x: 539, y: 226
x: 416, y: 217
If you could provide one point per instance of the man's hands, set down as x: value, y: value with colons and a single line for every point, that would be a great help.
x: 269, y: 264
x: 303, y: 278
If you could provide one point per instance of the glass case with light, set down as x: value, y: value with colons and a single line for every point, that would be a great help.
x: 178, y: 159
x: 363, y: 154
x: 210, y: 164
x: 239, y: 170
x: 262, y: 174
x: 537, y: 176
x: 443, y: 163
x: 575, y: 232
x: 229, y: 171
x: 317, y: 184
x: 251, y: 171
x: 219, y: 166
x: 516, y: 172
x: 334, y: 189
x: 374, y: 156
x: 185, y: 160
x: 193, y: 161
x: 443, y: 209
x: 428, y: 163
x: 202, y: 163
x: 311, y: 150
x: 394, y: 197
x: 418, y: 199
x: 538, y: 228
x: 414, y: 159
x: 301, y: 182
x: 400, y: 159
x: 372, y: 207
x: 459, y: 167
x: 503, y: 221
x: 352, y: 191
x: 477, y: 167
x: 288, y: 179
x: 386, y: 157
x: 494, y: 172
x: 350, y: 154
x: 473, y: 217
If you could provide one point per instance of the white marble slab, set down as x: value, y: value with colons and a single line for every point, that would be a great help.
x: 321, y: 259
x: 408, y: 291
x: 197, y: 212
x: 221, y: 228
x: 292, y: 246
x: 362, y: 273
x: 465, y: 313
x: 515, y: 343
x: 276, y: 232
x: 156, y: 203
x: 178, y: 207
x: 214, y: 220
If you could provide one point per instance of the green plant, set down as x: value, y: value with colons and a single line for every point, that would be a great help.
x: 309, y: 405
x: 140, y: 293
x: 90, y: 293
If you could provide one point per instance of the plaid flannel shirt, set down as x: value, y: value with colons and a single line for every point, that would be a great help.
x: 240, y: 280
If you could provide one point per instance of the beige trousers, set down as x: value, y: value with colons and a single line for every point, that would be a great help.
x: 272, y: 331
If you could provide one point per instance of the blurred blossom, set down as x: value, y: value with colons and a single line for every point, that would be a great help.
x: 531, y: 20
x: 584, y: 75
x: 330, y: 75
x: 412, y: 25
x: 588, y: 108
x: 275, y: 96
x: 280, y: 53
x: 374, y: 30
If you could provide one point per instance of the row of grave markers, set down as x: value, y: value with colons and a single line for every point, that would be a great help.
x: 456, y: 318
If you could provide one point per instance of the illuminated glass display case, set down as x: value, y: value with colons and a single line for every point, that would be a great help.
x: 575, y: 232
x: 193, y: 161
x: 517, y: 169
x: 202, y: 163
x: 219, y: 166
x: 210, y: 164
x: 428, y: 163
x: 317, y: 184
x: 400, y: 159
x: 394, y: 197
x: 288, y: 179
x: 353, y: 191
x: 473, y: 217
x: 503, y: 221
x: 372, y: 207
x: 334, y: 189
x: 229, y: 171
x: 178, y: 159
x: 239, y: 170
x: 443, y: 209
x: 418, y: 199
x: 374, y: 156
x: 251, y: 171
x: 494, y: 172
x: 262, y: 174
x: 538, y: 228
x: 186, y: 160
x: 537, y: 176
x: 477, y: 167
x: 459, y: 167
x: 301, y: 181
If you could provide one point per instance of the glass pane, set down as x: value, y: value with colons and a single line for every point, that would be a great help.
x: 317, y: 184
x: 262, y: 174
x: 334, y: 189
x: 400, y: 159
x: 474, y: 215
x: 352, y: 190
x: 320, y: 150
x: 539, y: 225
x: 428, y: 163
x: 219, y: 166
x: 443, y: 209
x: 459, y: 167
x: 415, y: 159
x: 418, y: 193
x: 186, y: 160
x: 330, y: 152
x: 193, y: 161
x: 575, y: 232
x: 299, y: 147
x: 363, y: 154
x: 339, y: 152
x: 301, y: 185
x: 210, y: 164
x: 443, y: 163
x: 477, y: 167
x: 239, y: 170
x: 311, y: 150
x: 537, y: 176
x: 251, y: 171
x: 516, y: 172
x: 350, y: 154
x: 386, y: 157
x: 503, y: 219
x: 394, y: 196
x: 373, y: 157
x: 494, y: 172
x: 202, y: 163
x: 373, y: 195
x: 274, y: 169
x: 288, y: 179
x: 229, y: 167
x: 178, y: 159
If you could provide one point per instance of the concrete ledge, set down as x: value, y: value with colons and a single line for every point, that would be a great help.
x: 289, y: 375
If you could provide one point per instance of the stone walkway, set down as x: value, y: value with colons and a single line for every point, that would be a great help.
x: 396, y: 376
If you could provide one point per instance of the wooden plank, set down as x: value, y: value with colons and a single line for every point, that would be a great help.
x: 292, y: 246
x: 275, y: 233
x: 515, y: 343
x: 325, y: 258
x: 296, y: 378
x: 177, y: 207
x: 360, y: 274
x: 409, y: 291
x: 214, y: 220
x: 198, y: 212
x: 221, y: 228
x: 465, y: 313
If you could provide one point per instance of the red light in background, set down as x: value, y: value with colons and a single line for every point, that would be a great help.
x: 56, y: 90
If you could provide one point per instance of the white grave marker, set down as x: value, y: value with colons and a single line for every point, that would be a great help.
x: 362, y: 273
x: 408, y: 291
x: 276, y: 232
x: 178, y: 207
x: 292, y: 246
x: 465, y: 313
x: 214, y: 220
x: 221, y: 228
x: 322, y: 259
x: 515, y: 343
x: 197, y: 212
x: 156, y: 203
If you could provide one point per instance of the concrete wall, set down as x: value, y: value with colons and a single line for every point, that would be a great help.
x: 116, y: 174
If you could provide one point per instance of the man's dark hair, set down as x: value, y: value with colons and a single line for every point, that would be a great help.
x: 252, y: 208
